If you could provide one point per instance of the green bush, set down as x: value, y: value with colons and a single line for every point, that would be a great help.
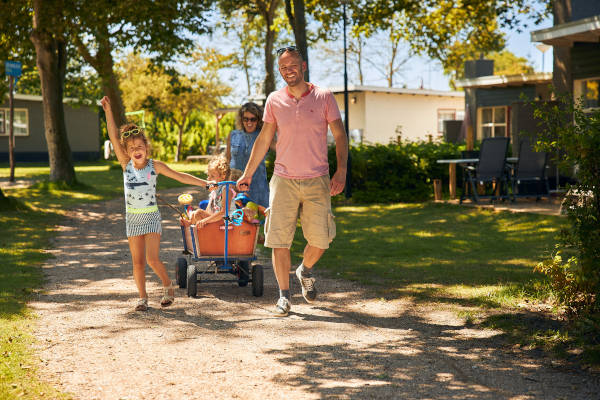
x: 385, y: 174
x: 568, y: 129
x: 397, y: 172
x: 427, y: 154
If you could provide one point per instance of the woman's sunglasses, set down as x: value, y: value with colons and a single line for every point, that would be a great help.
x: 253, y: 119
x: 134, y: 131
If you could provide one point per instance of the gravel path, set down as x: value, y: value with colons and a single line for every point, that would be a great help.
x: 225, y: 344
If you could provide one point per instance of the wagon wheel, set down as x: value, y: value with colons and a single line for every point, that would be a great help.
x: 192, y: 280
x: 257, y: 280
x: 181, y: 272
x: 243, y: 269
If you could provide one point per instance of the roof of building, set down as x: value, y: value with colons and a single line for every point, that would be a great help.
x: 383, y: 89
x: 32, y: 97
x: 505, y: 80
x: 583, y: 30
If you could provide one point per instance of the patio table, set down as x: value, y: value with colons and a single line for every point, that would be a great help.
x: 466, y: 161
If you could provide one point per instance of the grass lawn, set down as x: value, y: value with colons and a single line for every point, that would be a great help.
x: 443, y: 253
x: 24, y: 235
x: 479, y: 261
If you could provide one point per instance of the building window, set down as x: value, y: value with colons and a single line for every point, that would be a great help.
x: 588, y: 90
x: 21, y: 124
x: 444, y: 115
x: 491, y: 122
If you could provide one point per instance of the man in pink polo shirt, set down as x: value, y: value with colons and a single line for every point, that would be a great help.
x: 300, y: 114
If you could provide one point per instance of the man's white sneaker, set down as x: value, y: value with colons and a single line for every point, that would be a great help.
x: 282, y: 308
x: 309, y: 291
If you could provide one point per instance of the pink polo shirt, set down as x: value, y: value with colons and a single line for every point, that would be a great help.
x: 301, y: 131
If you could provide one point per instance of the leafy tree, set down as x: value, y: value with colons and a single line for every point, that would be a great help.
x: 15, y: 28
x: 333, y: 53
x: 573, y: 135
x: 506, y: 63
x: 162, y: 28
x: 446, y: 30
x: 50, y: 40
x: 267, y: 11
x: 247, y: 34
x: 562, y: 79
x: 33, y: 32
x: 16, y: 48
x: 295, y: 11
x: 390, y: 53
x: 170, y: 95
x: 81, y: 83
x: 356, y: 54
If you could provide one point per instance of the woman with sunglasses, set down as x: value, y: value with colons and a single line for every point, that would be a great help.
x: 142, y: 218
x: 239, y: 146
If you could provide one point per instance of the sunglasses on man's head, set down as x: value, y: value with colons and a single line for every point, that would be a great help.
x: 253, y: 119
x: 284, y: 49
x: 134, y: 131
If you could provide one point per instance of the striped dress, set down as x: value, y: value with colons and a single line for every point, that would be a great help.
x: 141, y: 211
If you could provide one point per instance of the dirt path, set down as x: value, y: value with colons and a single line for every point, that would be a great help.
x: 225, y: 344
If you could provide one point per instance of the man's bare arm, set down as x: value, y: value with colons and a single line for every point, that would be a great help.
x: 338, y: 181
x: 260, y: 148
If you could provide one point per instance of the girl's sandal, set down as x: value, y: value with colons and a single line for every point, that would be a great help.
x: 166, y: 300
x: 142, y: 305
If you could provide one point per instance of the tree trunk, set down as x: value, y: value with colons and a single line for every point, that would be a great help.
x: 268, y: 15
x: 110, y: 84
x: 392, y: 60
x: 297, y: 21
x: 103, y: 63
x: 179, y: 138
x: 51, y: 58
x: 245, y: 63
x: 247, y: 73
x: 359, y: 59
x: 562, y: 78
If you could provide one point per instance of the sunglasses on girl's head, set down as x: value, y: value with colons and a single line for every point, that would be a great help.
x: 130, y: 132
x: 253, y: 119
x: 284, y: 49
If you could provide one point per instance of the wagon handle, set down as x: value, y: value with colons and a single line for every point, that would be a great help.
x: 226, y: 184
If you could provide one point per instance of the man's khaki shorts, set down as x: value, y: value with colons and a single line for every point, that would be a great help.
x: 310, y: 199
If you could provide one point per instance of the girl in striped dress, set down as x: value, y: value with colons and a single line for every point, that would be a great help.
x: 142, y: 216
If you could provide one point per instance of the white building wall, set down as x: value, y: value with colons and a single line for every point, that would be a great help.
x: 356, y: 104
x: 416, y: 116
x: 380, y: 114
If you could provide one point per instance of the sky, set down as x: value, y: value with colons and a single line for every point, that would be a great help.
x: 327, y: 71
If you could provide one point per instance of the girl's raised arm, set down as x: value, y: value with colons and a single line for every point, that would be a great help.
x: 182, y: 177
x: 113, y: 133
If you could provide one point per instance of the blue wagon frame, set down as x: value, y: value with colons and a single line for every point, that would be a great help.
x: 188, y: 274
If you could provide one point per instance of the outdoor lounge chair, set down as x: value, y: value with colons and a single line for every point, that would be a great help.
x: 466, y: 154
x: 491, y: 169
x: 529, y: 178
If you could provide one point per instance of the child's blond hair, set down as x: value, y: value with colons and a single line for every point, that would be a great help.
x: 130, y: 131
x: 220, y: 164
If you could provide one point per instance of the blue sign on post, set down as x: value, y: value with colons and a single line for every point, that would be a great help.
x: 12, y: 68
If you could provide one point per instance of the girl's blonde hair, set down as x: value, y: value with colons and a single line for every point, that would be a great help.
x: 221, y: 165
x: 130, y: 131
x: 253, y: 109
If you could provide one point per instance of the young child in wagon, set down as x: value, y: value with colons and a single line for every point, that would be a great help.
x: 218, y: 171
